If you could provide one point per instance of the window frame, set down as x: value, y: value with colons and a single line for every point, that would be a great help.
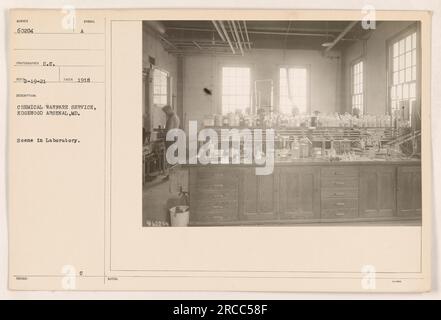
x: 221, y: 80
x: 308, y: 84
x: 363, y: 87
x: 168, y: 87
x: 413, y: 28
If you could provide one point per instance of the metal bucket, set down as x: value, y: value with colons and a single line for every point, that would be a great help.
x: 179, y: 216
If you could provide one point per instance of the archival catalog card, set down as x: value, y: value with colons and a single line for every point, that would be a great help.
x: 229, y: 150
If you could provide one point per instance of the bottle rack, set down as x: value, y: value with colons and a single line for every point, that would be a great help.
x: 384, y: 134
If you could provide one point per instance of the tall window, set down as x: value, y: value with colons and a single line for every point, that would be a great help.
x: 160, y: 87
x: 236, y: 89
x: 403, y: 73
x: 357, y: 86
x: 293, y: 90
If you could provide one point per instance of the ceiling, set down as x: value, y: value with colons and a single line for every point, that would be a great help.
x: 183, y: 37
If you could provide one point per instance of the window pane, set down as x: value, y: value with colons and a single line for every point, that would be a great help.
x: 293, y: 93
x: 401, y: 76
x: 399, y: 92
x: 408, y: 74
x: 160, y: 87
x: 395, y: 49
x: 408, y: 59
x: 395, y: 76
x: 402, y: 66
x: 412, y: 91
x: 357, y: 85
x: 235, y: 89
x: 408, y: 43
x: 401, y: 44
x: 405, y: 91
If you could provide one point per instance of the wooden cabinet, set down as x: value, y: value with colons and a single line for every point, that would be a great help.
x: 299, y: 193
x: 409, y: 191
x: 259, y: 195
x: 326, y: 193
x: 339, y: 192
x: 377, y: 191
x: 213, y: 195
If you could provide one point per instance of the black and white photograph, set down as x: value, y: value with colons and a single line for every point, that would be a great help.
x: 268, y: 123
x: 262, y: 151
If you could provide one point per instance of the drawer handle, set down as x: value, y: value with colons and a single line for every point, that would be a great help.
x: 220, y: 185
x: 218, y: 196
x: 339, y: 193
x: 340, y: 214
x: 337, y: 183
x: 217, y: 207
x: 337, y: 173
x: 340, y: 204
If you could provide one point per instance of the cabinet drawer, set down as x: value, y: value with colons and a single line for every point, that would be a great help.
x: 340, y: 172
x: 340, y: 183
x: 409, y: 212
x: 213, y: 194
x: 339, y: 203
x: 339, y: 193
x: 214, y: 207
x: 213, y: 178
x: 212, y: 174
x: 214, y: 218
x: 216, y: 215
x: 259, y: 216
x: 375, y: 213
x: 339, y: 213
x: 213, y: 185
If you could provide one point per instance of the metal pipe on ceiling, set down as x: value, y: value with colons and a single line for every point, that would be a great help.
x: 252, y: 31
x: 226, y: 36
x: 341, y: 35
x: 290, y: 33
x: 218, y: 30
x: 167, y: 42
x: 237, y: 37
x: 246, y: 34
x: 157, y: 26
x: 233, y: 36
x: 298, y: 29
x: 199, y: 41
x: 242, y: 37
x: 202, y: 52
x: 197, y: 45
x: 160, y: 29
x: 202, y: 45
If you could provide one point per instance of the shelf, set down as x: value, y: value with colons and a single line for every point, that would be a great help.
x: 384, y: 134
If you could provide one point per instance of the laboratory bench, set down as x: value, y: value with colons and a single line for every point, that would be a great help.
x: 306, y: 192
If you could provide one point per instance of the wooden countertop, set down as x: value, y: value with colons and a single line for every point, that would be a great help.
x: 314, y: 162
